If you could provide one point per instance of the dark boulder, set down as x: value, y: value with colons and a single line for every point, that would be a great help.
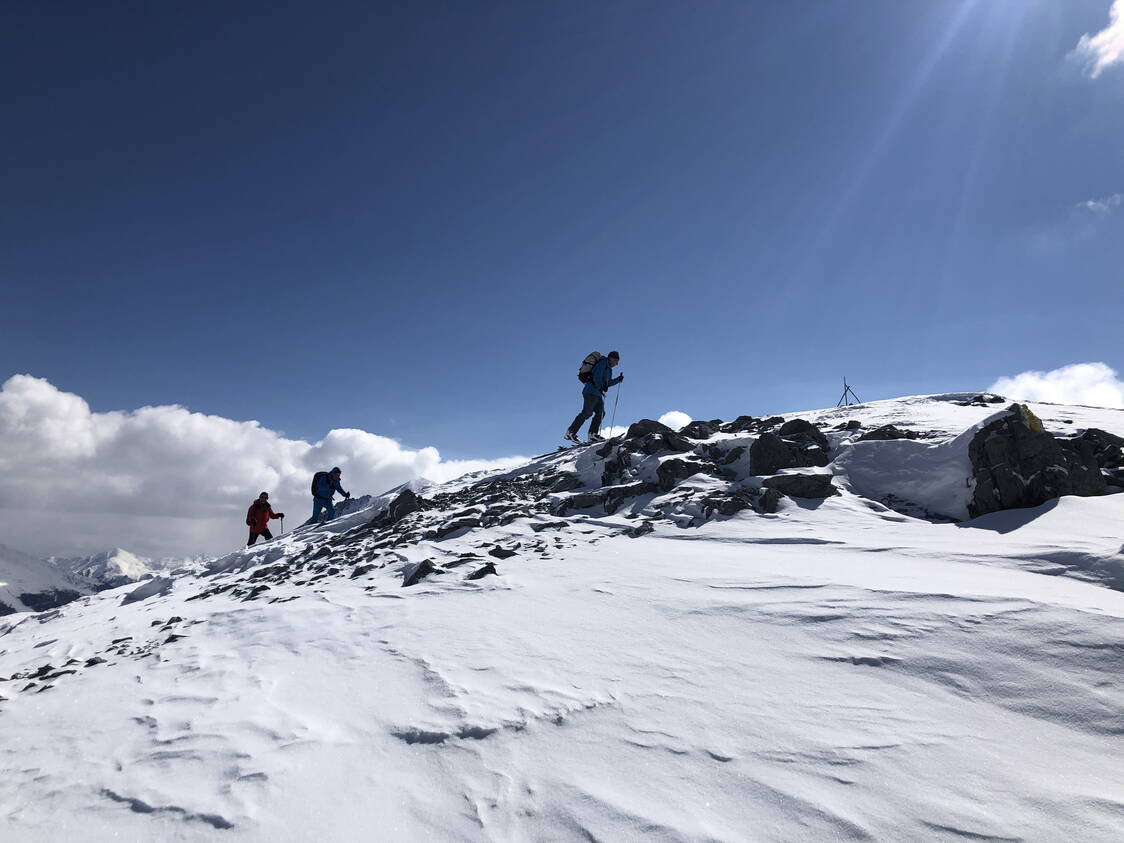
x: 641, y: 529
x: 769, y: 454
x: 413, y: 574
x: 673, y: 471
x: 768, y: 501
x: 802, y: 485
x: 617, y: 495
x: 655, y: 443
x: 644, y: 427
x: 886, y: 433
x: 803, y: 430
x: 853, y: 424
x: 1108, y: 448
x: 700, y: 429
x: 501, y: 552
x: 466, y: 523
x: 405, y: 503
x: 741, y: 424
x: 582, y: 500
x: 487, y: 569
x: 1016, y: 463
x: 566, y: 483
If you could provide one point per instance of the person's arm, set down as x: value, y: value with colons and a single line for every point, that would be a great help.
x: 617, y: 379
x: 336, y: 485
x: 273, y: 514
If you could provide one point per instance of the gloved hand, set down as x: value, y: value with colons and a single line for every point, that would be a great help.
x: 280, y: 514
x: 347, y: 495
x: 620, y: 377
x: 249, y: 523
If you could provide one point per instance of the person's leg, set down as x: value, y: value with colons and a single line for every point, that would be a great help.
x: 253, y: 538
x: 598, y: 414
x: 330, y: 509
x: 265, y: 534
x: 317, y: 505
x: 589, y: 402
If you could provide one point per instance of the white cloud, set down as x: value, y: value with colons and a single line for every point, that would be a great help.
x: 1106, y: 47
x: 675, y: 419
x: 1103, y: 207
x: 1092, y: 384
x: 167, y: 481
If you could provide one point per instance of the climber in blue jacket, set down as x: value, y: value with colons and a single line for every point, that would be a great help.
x: 593, y: 397
x: 325, y: 484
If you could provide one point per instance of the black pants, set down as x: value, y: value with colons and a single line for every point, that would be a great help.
x: 594, y: 406
x: 265, y: 534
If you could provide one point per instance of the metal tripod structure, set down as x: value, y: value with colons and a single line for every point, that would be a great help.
x: 848, y: 394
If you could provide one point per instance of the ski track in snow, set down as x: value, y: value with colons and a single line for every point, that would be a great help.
x: 830, y: 672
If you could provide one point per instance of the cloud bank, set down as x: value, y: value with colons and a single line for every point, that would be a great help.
x: 167, y: 481
x: 1093, y: 384
x: 676, y: 419
x: 1105, y: 48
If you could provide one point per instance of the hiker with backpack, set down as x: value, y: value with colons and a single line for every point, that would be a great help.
x: 325, y: 484
x: 257, y: 518
x: 596, y: 373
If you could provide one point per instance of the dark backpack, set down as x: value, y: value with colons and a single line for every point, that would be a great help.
x: 316, y: 478
x: 585, y: 373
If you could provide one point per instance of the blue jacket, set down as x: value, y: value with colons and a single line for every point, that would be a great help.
x: 326, y: 487
x: 600, y: 378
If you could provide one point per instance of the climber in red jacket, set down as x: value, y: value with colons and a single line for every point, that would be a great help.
x: 257, y: 518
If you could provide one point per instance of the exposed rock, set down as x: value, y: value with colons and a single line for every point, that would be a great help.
x: 655, y: 443
x: 1016, y: 463
x: 674, y: 470
x: 415, y: 573
x: 149, y: 588
x: 1108, y: 448
x: 582, y: 500
x: 739, y: 425
x: 644, y: 427
x: 700, y: 429
x: 769, y: 500
x: 982, y: 400
x: 853, y: 424
x: 501, y: 552
x: 488, y: 568
x: 360, y: 570
x: 769, y: 454
x: 566, y: 483
x: 886, y: 433
x: 802, y: 485
x: 468, y: 522
x: 802, y: 429
x: 405, y: 503
x: 43, y: 600
x: 641, y: 529
x: 617, y: 495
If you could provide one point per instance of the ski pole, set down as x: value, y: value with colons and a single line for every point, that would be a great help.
x: 282, y: 526
x: 613, y: 420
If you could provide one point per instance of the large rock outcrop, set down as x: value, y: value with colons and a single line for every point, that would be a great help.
x: 1016, y: 463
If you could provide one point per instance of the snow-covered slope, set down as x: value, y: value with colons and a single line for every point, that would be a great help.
x: 582, y: 661
x: 28, y: 584
x: 108, y: 569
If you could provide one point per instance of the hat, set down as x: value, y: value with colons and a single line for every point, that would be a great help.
x: 616, y: 354
x: 336, y: 470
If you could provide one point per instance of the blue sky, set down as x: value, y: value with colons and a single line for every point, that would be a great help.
x: 416, y: 219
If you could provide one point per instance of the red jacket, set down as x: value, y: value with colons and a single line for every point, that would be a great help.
x: 258, y: 515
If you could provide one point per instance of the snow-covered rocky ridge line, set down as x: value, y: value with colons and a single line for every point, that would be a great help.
x: 606, y: 643
x: 30, y: 584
